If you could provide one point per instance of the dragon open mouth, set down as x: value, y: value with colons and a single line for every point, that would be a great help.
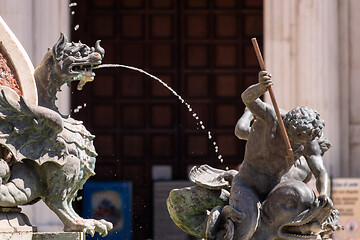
x: 308, y: 230
x: 83, y: 73
x: 310, y: 224
x: 81, y: 67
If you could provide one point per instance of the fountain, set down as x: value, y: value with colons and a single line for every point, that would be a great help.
x: 46, y: 155
x: 43, y: 154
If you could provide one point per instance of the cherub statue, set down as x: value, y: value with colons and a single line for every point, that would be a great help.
x: 264, y: 162
x: 262, y: 170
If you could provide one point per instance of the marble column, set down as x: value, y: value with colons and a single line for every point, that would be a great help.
x: 302, y: 53
x: 351, y: 69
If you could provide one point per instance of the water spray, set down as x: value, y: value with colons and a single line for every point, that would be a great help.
x: 194, y: 114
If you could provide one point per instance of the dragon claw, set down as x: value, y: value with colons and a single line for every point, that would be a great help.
x: 91, y: 226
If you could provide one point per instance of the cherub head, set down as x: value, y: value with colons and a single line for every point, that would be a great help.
x: 303, y: 124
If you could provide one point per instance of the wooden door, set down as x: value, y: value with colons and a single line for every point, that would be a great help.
x: 202, y: 49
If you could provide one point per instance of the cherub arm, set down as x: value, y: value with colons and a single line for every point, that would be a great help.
x: 243, y: 126
x: 316, y: 165
x: 252, y: 101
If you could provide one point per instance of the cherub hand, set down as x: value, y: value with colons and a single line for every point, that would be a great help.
x: 229, y: 175
x: 325, y: 201
x: 231, y: 213
x: 265, y: 80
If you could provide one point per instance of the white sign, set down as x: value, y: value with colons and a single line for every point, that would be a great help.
x: 346, y: 198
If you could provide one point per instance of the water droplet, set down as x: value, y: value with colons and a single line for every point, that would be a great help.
x: 74, y: 4
x: 214, y: 143
x: 76, y: 27
x: 219, y: 157
x: 72, y: 12
x: 227, y: 168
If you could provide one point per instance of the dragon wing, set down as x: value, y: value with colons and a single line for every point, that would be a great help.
x: 29, y: 131
x: 208, y: 177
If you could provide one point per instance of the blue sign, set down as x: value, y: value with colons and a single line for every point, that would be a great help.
x: 111, y: 201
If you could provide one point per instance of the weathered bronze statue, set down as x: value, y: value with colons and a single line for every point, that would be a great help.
x: 267, y: 198
x: 45, y: 155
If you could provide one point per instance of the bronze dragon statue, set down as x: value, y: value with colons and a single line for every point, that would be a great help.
x: 45, y: 155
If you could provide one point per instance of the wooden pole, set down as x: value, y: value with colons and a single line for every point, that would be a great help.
x: 290, y: 155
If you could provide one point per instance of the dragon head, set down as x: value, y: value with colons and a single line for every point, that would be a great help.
x: 76, y: 60
x: 63, y: 63
x: 292, y: 211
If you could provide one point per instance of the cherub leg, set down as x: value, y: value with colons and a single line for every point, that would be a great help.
x: 243, y: 212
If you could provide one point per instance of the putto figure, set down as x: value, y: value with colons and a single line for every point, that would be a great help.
x: 264, y: 161
x: 266, y: 198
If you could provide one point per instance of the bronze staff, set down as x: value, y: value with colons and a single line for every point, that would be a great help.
x: 290, y: 155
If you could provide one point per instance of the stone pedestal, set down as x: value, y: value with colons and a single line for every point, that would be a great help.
x: 43, y: 236
x: 59, y: 236
x: 15, y: 225
x: 12, y: 220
